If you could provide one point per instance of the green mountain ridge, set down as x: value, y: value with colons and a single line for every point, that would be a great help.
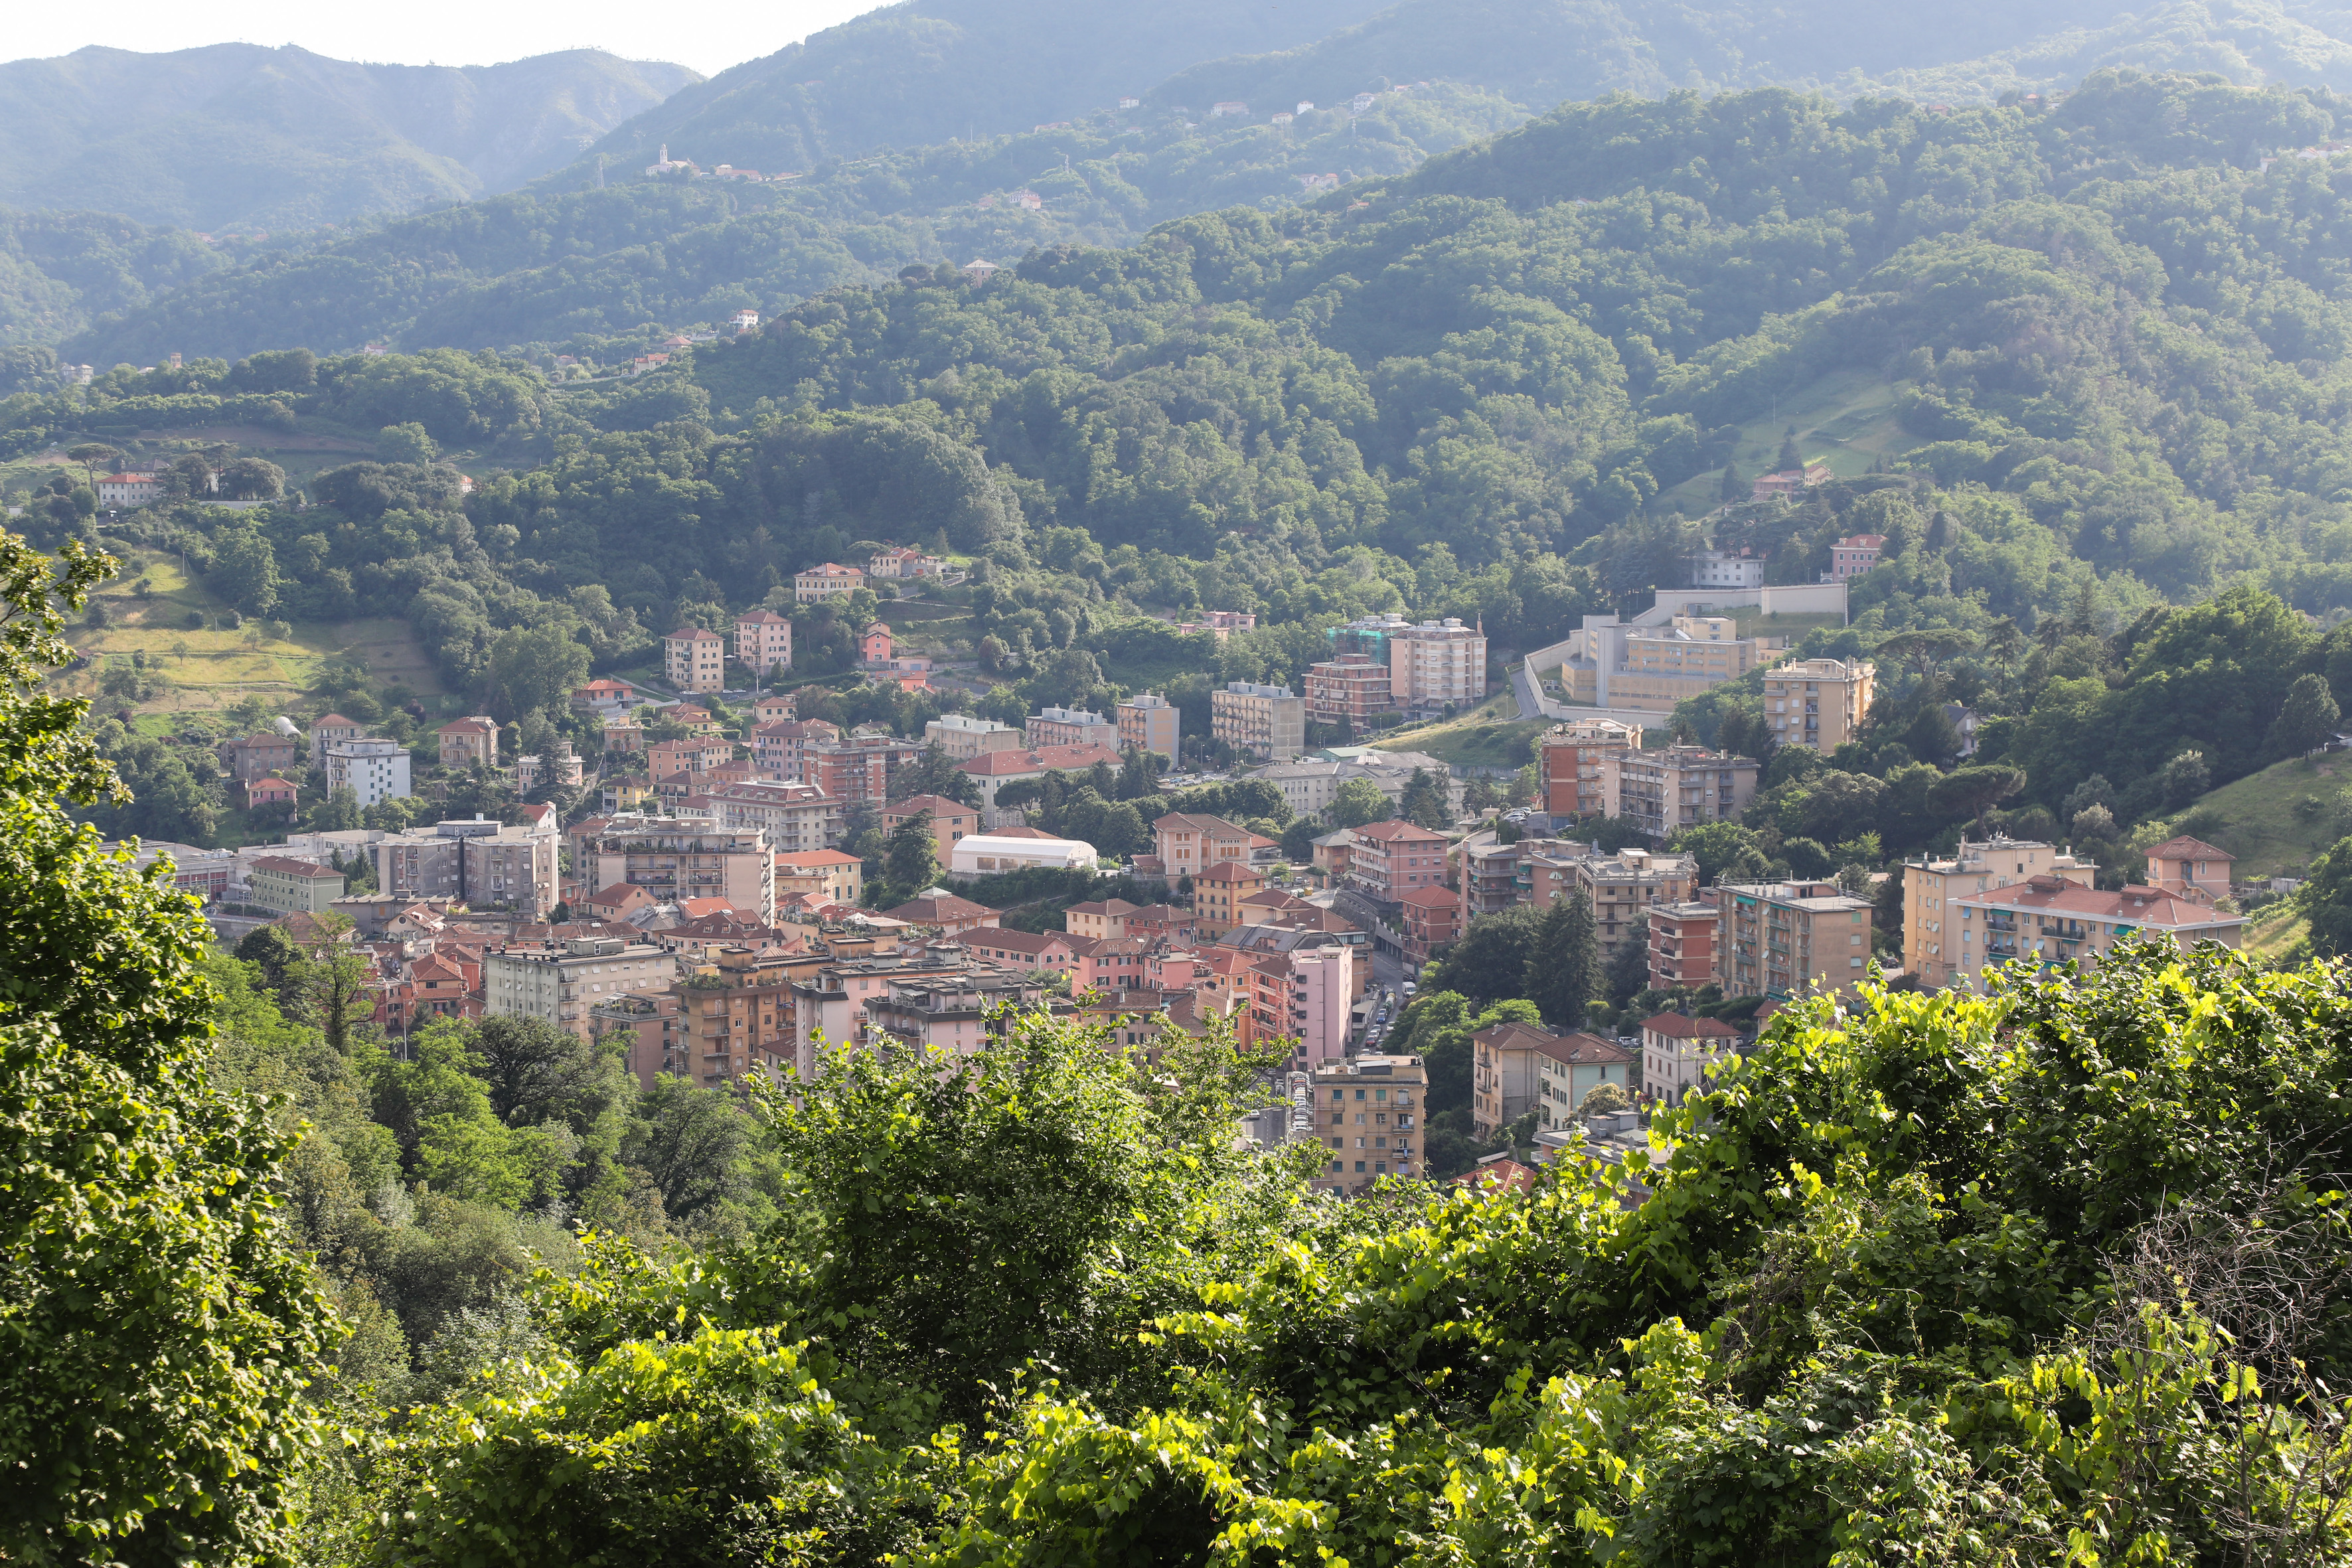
x: 239, y: 135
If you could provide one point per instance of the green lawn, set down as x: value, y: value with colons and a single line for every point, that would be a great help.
x: 2274, y: 931
x: 2256, y: 820
x: 1847, y: 418
x: 1487, y: 736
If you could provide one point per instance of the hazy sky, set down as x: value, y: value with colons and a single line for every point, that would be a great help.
x: 445, y: 32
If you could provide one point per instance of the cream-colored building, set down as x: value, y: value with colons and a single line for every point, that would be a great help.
x: 560, y: 984
x: 1675, y: 787
x: 1784, y: 939
x: 1369, y: 1112
x: 695, y: 659
x: 963, y: 737
x: 1933, y: 888
x: 1268, y: 722
x: 829, y: 580
x: 1569, y: 762
x: 763, y: 641
x: 2051, y: 920
x: 291, y: 885
x: 1818, y: 703
x: 1436, y: 662
x: 1687, y: 657
x: 1148, y: 722
x: 673, y: 859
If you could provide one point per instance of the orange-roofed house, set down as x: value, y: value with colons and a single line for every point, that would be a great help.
x: 828, y: 581
x: 1218, y: 892
x: 1676, y: 1051
x: 948, y: 913
x: 950, y: 820
x: 1190, y: 842
x: 695, y: 659
x: 991, y: 771
x: 466, y: 742
x: 830, y: 876
x: 1433, y: 920
x: 2191, y: 869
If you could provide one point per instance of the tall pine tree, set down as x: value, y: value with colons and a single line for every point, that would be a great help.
x: 1563, y: 972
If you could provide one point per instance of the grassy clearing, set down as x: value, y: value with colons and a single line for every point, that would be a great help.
x: 1487, y: 736
x: 1847, y: 418
x: 2273, y: 933
x: 2256, y: 817
x: 1755, y: 623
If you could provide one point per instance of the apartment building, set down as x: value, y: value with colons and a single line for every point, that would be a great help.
x: 1574, y: 1065
x: 1665, y: 791
x: 463, y: 742
x: 857, y: 767
x: 1933, y: 886
x: 1625, y: 886
x: 1107, y: 918
x: 473, y: 862
x: 775, y: 708
x: 1390, y: 858
x: 695, y: 659
x: 1368, y: 1111
x: 1150, y: 723
x: 1818, y: 703
x: 1048, y: 953
x: 833, y: 876
x: 1351, y: 689
x: 829, y: 580
x: 1435, y: 663
x: 1518, y: 1067
x: 734, y: 1012
x: 1320, y: 984
x: 288, y: 886
x: 325, y: 731
x: 1431, y: 920
x: 1785, y: 939
x: 991, y: 771
x: 1676, y: 1051
x: 654, y: 1034
x: 1217, y: 894
x: 1622, y: 886
x: 1188, y: 842
x: 562, y: 984
x: 964, y: 1013
x: 1687, y: 657
x: 1568, y: 764
x: 1855, y: 555
x: 673, y: 859
x: 963, y: 737
x: 1268, y: 722
x: 2191, y: 869
x: 796, y: 818
x: 831, y: 1001
x: 1070, y: 727
x: 782, y: 748
x: 950, y: 820
x: 375, y: 771
x: 246, y: 758
x: 1682, y: 945
x: 763, y: 641
x: 1740, y: 569
x: 2051, y: 920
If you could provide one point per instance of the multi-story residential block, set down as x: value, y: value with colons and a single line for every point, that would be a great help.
x: 287, y: 886
x: 991, y: 771
x: 1622, y: 887
x: 1784, y: 939
x: 963, y: 737
x: 2051, y: 920
x: 476, y: 863
x: 1676, y: 1051
x: 829, y: 580
x: 831, y: 1001
x: 249, y: 757
x: 1108, y: 918
x: 1217, y: 894
x: 1431, y: 918
x: 1625, y: 886
x: 1568, y: 761
x: 1188, y: 842
x: 1390, y: 858
x: 1675, y: 787
x: 654, y: 1034
x: 2191, y: 869
x: 1268, y: 722
x: 859, y: 767
x: 695, y: 659
x: 1682, y: 946
x: 1047, y: 953
x: 1933, y: 885
x: 1321, y: 987
x: 763, y: 641
x: 624, y: 737
x: 1070, y: 727
x: 875, y: 644
x: 694, y: 755
x: 962, y: 1013
x: 1855, y: 555
x: 1369, y: 1112
x: 1740, y: 569
x: 734, y: 1013
x: 375, y: 771
x: 1573, y: 1066
x: 950, y: 820
x: 673, y: 859
x: 780, y: 748
x: 1687, y: 657
x: 1818, y: 703
x: 1435, y: 663
x: 325, y: 731
x: 831, y: 876
x: 1351, y: 689
x: 1509, y: 1075
x: 796, y: 817
x: 464, y: 743
x: 1150, y: 723
x: 561, y: 983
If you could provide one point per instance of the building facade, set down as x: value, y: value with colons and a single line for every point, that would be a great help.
x: 1783, y: 939
x: 1568, y: 764
x: 1268, y: 722
x: 1351, y: 689
x: 963, y: 737
x: 1933, y: 886
x: 375, y: 771
x: 829, y: 580
x: 673, y: 859
x: 1150, y: 723
x: 1682, y: 946
x: 1435, y: 663
x: 463, y: 742
x: 763, y: 641
x: 950, y: 820
x: 1369, y: 1112
x: 1819, y: 703
x: 562, y: 984
x: 1855, y: 555
x: 1665, y: 791
x: 695, y: 659
x: 1676, y: 1051
x: 1390, y: 858
x: 1070, y: 727
x: 287, y: 886
x: 2051, y: 920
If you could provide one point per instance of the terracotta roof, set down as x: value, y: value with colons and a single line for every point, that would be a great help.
x: 814, y: 860
x: 937, y: 806
x: 758, y: 617
x: 1429, y: 896
x: 1676, y: 1027
x: 939, y: 911
x: 2132, y: 906
x: 1215, y: 826
x: 334, y: 719
x: 2187, y: 848
x: 693, y: 633
x: 1501, y: 1173
x: 1383, y: 832
x: 1039, y: 760
x: 1107, y: 907
x: 464, y: 726
x: 286, y: 865
x: 1230, y: 871
x: 1581, y: 1050
x: 1026, y: 943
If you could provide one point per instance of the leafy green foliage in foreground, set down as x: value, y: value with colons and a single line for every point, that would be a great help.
x: 2047, y: 1274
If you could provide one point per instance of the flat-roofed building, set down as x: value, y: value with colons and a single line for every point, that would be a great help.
x: 1665, y: 791
x: 373, y: 770
x: 1268, y: 722
x: 1569, y: 762
x: 563, y: 982
x: 1150, y: 723
x: 2051, y: 920
x: 1436, y: 662
x: 1933, y: 886
x: 674, y: 859
x: 1819, y: 703
x: 963, y: 737
x: 1682, y: 946
x: 1351, y: 689
x: 1687, y: 657
x: 1781, y: 939
x: 1369, y: 1114
x: 1071, y: 727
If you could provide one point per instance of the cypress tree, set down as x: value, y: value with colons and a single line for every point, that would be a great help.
x: 1563, y: 972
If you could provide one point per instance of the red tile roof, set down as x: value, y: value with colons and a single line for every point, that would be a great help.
x: 1676, y: 1027
x: 2187, y: 848
x: 1039, y: 760
x: 2132, y: 906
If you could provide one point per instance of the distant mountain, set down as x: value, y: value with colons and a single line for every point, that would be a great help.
x: 239, y: 136
x: 931, y: 71
x: 60, y: 269
x: 1543, y: 51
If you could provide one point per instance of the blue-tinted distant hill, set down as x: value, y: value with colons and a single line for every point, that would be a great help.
x: 237, y: 136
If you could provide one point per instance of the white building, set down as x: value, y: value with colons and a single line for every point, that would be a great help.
x: 986, y: 854
x: 374, y: 770
x: 560, y: 984
x: 1724, y: 569
x: 1322, y: 994
x: 1435, y: 663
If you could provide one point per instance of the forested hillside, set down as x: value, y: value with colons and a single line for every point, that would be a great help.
x: 577, y: 267
x: 238, y: 135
